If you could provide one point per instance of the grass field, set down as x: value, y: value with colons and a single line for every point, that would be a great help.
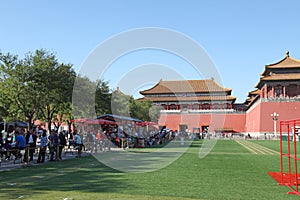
x: 230, y: 171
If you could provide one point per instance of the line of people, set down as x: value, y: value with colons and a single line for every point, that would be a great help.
x: 20, y: 139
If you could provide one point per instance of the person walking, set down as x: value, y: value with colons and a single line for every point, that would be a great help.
x: 43, y: 147
x: 31, y: 138
x: 53, y: 143
x: 78, y: 143
x: 20, y: 144
x: 62, y: 143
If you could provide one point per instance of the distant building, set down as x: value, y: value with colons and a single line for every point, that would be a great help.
x: 278, y: 90
x: 204, y: 105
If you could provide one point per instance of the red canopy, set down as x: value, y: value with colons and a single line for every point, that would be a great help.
x: 93, y: 121
x: 79, y: 120
x: 99, y: 121
x: 146, y: 123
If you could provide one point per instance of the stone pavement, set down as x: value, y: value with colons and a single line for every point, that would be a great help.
x: 9, y: 164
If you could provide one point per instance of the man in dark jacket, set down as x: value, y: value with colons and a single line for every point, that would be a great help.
x: 31, y: 138
x: 62, y: 143
x: 53, y: 143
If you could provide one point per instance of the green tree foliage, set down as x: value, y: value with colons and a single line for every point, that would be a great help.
x: 126, y: 105
x: 52, y: 82
x: 102, y: 98
x: 64, y: 115
x: 35, y: 87
x: 91, y: 98
x: 120, y: 103
x: 154, y: 112
x: 17, y: 89
x: 39, y: 87
x: 83, y: 98
x: 144, y: 110
x: 8, y: 63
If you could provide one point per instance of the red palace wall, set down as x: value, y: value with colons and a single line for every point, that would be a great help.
x: 234, y: 121
x: 253, y: 119
x: 259, y: 118
x: 286, y: 111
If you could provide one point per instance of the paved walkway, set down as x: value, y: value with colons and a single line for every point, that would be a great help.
x: 9, y: 164
x: 66, y: 154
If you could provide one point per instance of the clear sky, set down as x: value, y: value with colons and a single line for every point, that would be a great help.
x: 241, y: 37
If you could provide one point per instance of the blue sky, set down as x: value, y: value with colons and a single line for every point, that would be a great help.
x: 240, y: 37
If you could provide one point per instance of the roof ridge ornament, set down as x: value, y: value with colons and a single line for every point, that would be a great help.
x: 287, y: 54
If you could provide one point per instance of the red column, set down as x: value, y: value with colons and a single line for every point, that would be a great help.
x: 230, y: 106
x: 210, y: 106
x: 284, y: 90
x: 191, y: 106
x: 273, y: 94
x: 177, y: 107
x: 200, y: 106
x: 266, y: 91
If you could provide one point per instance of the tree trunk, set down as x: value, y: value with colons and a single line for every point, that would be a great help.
x: 49, y: 124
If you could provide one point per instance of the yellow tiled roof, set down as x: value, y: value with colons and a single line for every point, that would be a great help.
x: 271, y: 74
x: 191, y: 98
x: 186, y: 86
x: 254, y: 92
x: 286, y: 62
x: 281, y: 77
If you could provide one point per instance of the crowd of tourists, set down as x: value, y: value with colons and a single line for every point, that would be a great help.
x: 25, y: 145
x: 20, y: 143
x: 126, y: 137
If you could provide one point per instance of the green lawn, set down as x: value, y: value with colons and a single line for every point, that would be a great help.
x: 275, y: 145
x: 228, y: 172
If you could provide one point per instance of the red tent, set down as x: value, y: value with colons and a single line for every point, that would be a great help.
x: 93, y: 121
x: 146, y: 123
x: 99, y: 121
x: 79, y: 120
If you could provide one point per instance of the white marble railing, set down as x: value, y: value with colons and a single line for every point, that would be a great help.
x: 280, y: 99
x: 201, y: 111
x: 170, y: 111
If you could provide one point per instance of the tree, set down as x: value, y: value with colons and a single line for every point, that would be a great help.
x: 154, y: 112
x: 54, y: 83
x: 144, y: 110
x: 83, y: 98
x: 7, y: 64
x: 126, y: 105
x: 102, y: 98
x: 120, y: 103
x: 64, y: 115
x: 17, y: 89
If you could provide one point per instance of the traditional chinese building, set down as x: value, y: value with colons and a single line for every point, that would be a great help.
x: 206, y: 105
x: 190, y: 95
x: 278, y: 91
x: 196, y: 105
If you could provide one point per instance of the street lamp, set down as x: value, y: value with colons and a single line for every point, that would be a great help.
x: 275, y: 118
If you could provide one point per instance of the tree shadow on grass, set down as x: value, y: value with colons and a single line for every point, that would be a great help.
x: 85, y: 174
x: 196, y: 144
